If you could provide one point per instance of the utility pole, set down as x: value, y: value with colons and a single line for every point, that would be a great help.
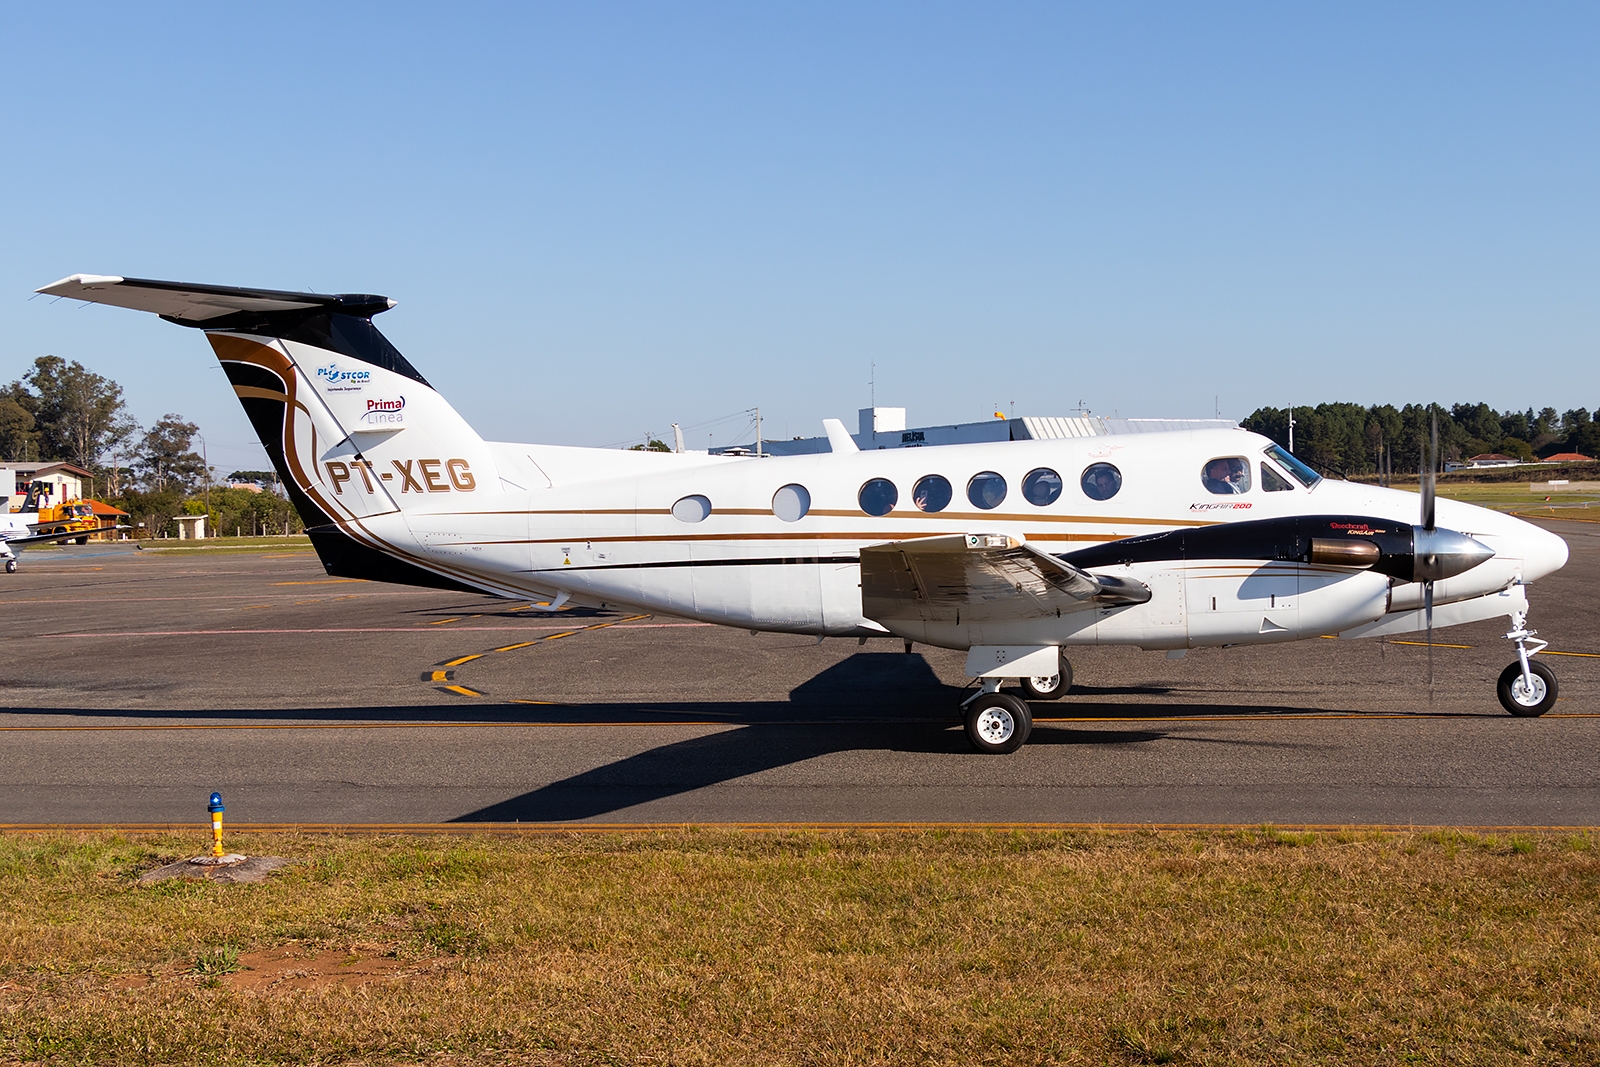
x: 206, y: 461
x: 758, y: 433
x: 1291, y: 426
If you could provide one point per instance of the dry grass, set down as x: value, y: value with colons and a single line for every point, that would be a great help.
x: 698, y: 947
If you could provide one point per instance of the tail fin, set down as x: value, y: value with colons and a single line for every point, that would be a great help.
x: 354, y: 431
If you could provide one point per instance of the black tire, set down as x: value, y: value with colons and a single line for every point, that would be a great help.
x: 80, y: 540
x: 1520, y: 703
x: 11, y: 566
x: 1049, y: 688
x: 998, y: 723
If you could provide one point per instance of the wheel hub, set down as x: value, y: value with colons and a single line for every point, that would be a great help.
x: 995, y: 725
x: 1528, y: 697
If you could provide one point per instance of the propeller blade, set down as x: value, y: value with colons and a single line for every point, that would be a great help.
x: 1430, y: 464
x: 1427, y: 601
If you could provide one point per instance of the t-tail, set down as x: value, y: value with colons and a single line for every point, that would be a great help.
x: 359, y: 437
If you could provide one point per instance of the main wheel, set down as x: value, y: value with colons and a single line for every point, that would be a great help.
x: 11, y: 566
x: 998, y: 723
x: 1518, y: 699
x: 1052, y: 688
x: 80, y: 540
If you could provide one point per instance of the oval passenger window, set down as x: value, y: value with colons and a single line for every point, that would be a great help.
x: 791, y: 503
x: 1101, y: 481
x: 691, y: 509
x: 932, y: 493
x: 986, y: 490
x: 878, y: 497
x: 1041, y: 487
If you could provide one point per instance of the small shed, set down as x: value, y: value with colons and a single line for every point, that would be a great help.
x: 190, y: 527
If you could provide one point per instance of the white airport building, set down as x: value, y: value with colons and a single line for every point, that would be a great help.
x: 885, y: 427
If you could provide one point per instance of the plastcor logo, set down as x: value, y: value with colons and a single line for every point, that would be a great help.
x: 335, y: 376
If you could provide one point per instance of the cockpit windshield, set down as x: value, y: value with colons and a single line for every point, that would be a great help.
x: 1302, y: 473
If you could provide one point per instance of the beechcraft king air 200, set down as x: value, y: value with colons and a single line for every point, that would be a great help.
x: 1011, y: 551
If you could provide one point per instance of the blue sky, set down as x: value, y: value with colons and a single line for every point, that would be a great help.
x: 599, y: 219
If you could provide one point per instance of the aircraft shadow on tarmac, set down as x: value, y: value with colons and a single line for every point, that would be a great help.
x: 870, y: 701
x: 897, y: 690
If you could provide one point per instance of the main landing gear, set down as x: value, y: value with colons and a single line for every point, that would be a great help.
x: 1053, y: 687
x: 1527, y: 689
x: 999, y: 723
x: 11, y: 565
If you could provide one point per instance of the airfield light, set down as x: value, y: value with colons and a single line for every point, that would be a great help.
x: 216, y: 809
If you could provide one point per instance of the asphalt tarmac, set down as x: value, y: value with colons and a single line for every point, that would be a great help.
x: 136, y: 682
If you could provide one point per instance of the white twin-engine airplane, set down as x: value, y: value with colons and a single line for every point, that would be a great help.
x: 1011, y: 551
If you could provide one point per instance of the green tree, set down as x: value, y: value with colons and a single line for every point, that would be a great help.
x: 17, y: 438
x: 653, y: 446
x: 78, y: 414
x: 151, y: 512
x: 1584, y: 440
x: 164, y: 461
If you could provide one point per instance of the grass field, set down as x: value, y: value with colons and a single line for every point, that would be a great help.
x: 1515, y: 496
x: 689, y: 947
x: 214, y: 544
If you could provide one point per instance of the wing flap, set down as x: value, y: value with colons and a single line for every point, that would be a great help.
x: 980, y: 577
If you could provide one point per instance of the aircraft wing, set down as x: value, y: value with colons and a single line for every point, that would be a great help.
x: 42, y: 539
x: 980, y: 577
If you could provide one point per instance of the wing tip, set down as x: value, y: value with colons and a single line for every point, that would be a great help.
x: 66, y: 285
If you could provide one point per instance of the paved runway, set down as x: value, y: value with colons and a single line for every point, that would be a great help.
x: 137, y: 682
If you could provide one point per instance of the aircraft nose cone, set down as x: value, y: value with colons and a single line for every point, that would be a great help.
x: 1446, y: 553
x: 1542, y: 552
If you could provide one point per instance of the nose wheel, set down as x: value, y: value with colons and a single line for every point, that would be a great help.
x: 1530, y: 694
x: 1527, y: 689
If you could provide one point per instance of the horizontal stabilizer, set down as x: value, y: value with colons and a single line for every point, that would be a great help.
x: 199, y: 305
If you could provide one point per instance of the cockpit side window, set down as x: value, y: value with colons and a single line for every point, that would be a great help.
x: 1226, y: 475
x: 1272, y: 481
x: 1298, y: 470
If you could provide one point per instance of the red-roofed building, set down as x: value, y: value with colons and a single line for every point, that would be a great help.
x: 109, y: 518
x: 1567, y: 457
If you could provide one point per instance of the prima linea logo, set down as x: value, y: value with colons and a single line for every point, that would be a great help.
x: 384, y: 412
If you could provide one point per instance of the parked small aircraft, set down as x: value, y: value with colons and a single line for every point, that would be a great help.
x: 1012, y: 551
x: 39, y: 522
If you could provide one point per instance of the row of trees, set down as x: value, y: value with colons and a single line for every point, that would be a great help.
x: 1349, y: 439
x: 61, y: 410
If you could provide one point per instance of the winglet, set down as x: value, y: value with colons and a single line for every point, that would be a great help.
x: 839, y: 439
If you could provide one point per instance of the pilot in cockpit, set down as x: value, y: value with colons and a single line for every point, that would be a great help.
x: 1226, y: 476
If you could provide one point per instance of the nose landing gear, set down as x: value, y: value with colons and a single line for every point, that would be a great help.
x: 1526, y: 689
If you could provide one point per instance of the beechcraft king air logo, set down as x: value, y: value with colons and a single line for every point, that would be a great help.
x: 337, y: 379
x: 385, y: 412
